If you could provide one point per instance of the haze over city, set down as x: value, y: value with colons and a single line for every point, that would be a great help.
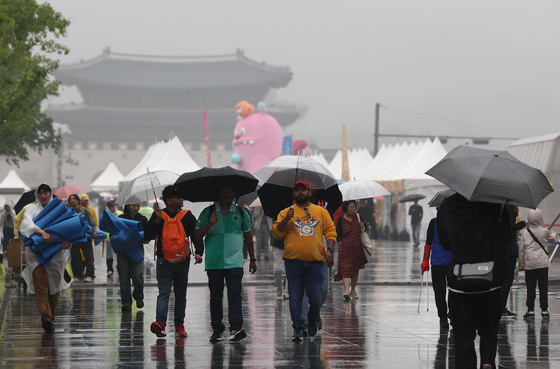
x: 484, y: 69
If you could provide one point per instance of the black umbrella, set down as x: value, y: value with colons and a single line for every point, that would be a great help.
x: 412, y: 197
x: 27, y: 198
x: 204, y: 184
x: 491, y: 176
x: 439, y: 197
x: 275, y: 198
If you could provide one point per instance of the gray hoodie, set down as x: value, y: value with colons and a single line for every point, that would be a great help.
x: 531, y: 254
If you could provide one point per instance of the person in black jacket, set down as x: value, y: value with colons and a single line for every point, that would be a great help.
x: 474, y: 232
x: 128, y: 269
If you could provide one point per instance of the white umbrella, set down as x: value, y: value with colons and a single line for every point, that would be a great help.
x: 356, y: 189
x: 146, y: 187
x: 256, y: 203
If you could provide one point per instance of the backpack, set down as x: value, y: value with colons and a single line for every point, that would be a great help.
x: 174, y: 241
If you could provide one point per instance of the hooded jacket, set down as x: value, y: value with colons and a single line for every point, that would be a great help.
x: 474, y: 232
x: 90, y: 209
x: 531, y: 253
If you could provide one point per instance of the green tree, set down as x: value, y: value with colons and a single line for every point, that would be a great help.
x: 28, y: 33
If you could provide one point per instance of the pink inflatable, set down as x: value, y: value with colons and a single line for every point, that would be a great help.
x: 258, y: 140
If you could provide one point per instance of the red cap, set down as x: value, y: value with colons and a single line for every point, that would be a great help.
x: 302, y: 183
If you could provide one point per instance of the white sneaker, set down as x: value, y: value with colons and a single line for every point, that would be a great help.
x: 88, y: 279
x: 67, y: 285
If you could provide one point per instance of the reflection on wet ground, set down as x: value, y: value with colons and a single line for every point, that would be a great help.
x: 382, y: 329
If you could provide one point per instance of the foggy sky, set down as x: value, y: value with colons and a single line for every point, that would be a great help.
x: 481, y: 68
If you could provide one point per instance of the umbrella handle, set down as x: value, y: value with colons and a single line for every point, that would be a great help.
x: 420, y: 297
x: 152, y: 184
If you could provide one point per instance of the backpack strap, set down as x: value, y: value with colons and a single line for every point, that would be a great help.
x: 537, y: 240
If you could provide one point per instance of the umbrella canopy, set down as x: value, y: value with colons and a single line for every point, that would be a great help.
x: 355, y: 190
x: 27, y: 198
x: 146, y: 187
x: 287, y: 170
x: 412, y: 197
x: 256, y: 203
x: 491, y: 176
x: 280, y: 175
x: 204, y: 184
x: 439, y: 197
x: 65, y: 191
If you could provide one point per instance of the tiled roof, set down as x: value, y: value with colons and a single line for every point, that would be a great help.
x: 173, y: 72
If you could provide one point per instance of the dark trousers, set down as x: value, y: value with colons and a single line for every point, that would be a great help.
x: 233, y: 278
x: 531, y: 278
x: 512, y: 260
x: 471, y: 313
x: 78, y: 264
x: 8, y: 233
x: 176, y: 276
x: 439, y: 283
x: 128, y: 270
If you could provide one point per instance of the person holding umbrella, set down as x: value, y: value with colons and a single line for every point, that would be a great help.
x: 416, y: 213
x: 43, y: 281
x: 226, y: 226
x: 303, y: 226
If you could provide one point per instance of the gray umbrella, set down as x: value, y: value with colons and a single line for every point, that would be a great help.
x: 491, y: 176
x: 439, y: 197
x: 412, y: 197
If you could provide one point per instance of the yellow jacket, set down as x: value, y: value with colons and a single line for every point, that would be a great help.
x: 303, y: 239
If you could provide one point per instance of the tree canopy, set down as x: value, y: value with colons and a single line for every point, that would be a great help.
x: 28, y: 34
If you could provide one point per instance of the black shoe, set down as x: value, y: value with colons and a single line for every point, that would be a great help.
x: 140, y: 304
x: 217, y: 335
x: 298, y: 335
x: 443, y: 323
x: 530, y: 314
x: 506, y: 314
x: 48, y: 326
x: 312, y: 328
x: 237, y: 335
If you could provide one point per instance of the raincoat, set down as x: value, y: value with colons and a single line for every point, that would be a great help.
x: 531, y: 253
x: 55, y: 269
x: 90, y: 209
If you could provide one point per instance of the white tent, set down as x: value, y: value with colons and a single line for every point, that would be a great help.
x: 358, y: 159
x: 542, y: 152
x: 321, y: 159
x: 12, y: 180
x: 165, y: 155
x: 108, y: 180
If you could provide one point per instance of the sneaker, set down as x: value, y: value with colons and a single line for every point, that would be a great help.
x: 109, y: 273
x: 312, y: 328
x: 508, y: 314
x: 319, y: 323
x: 158, y: 329
x: 217, y: 335
x: 279, y: 292
x: 140, y: 304
x: 180, y: 330
x: 354, y: 295
x: 48, y: 326
x: 545, y: 314
x: 237, y: 334
x: 529, y: 314
x: 88, y: 280
x: 346, y: 296
x: 298, y: 335
x: 68, y: 285
x: 78, y: 280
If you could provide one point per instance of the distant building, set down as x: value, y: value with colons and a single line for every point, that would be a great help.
x: 130, y: 101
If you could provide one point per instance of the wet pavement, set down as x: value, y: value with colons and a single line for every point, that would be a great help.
x: 382, y: 329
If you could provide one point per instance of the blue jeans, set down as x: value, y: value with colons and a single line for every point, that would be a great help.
x: 176, y: 275
x: 416, y: 231
x: 324, y: 294
x: 305, y: 277
x: 128, y: 270
x: 233, y: 278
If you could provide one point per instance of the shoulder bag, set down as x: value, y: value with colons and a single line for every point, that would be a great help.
x: 365, y: 237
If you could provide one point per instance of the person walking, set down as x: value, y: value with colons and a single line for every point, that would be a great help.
x: 533, y: 259
x: 303, y: 226
x: 175, y: 231
x: 129, y: 269
x: 89, y: 257
x: 82, y: 252
x: 44, y: 282
x: 262, y: 226
x: 109, y: 254
x: 476, y: 233
x: 351, y: 257
x: 226, y: 226
x: 441, y: 259
x: 7, y: 218
x: 416, y: 213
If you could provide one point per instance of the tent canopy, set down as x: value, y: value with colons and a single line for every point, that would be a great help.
x: 108, y: 180
x: 12, y: 180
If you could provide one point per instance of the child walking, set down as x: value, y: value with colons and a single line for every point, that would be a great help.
x: 533, y: 258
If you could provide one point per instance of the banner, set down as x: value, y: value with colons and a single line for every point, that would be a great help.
x: 208, y: 158
x: 345, y: 165
x: 287, y: 145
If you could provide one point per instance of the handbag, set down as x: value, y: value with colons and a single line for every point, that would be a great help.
x: 476, y: 274
x: 365, y: 237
